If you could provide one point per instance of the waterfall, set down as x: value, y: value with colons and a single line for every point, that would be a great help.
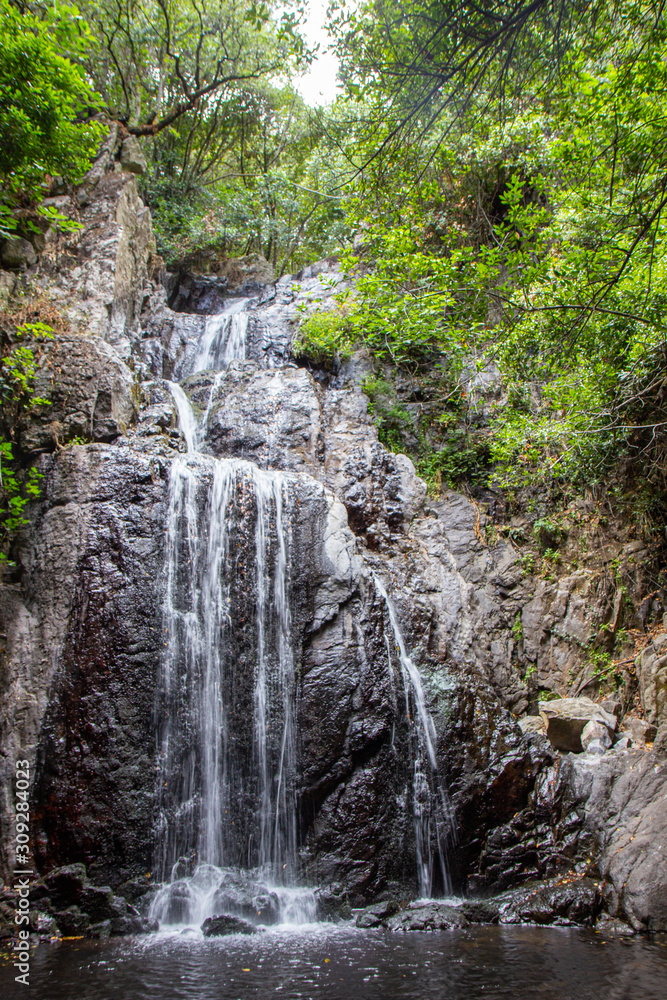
x: 224, y: 338
x: 225, y: 714
x: 432, y: 810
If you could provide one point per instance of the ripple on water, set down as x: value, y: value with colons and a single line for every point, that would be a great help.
x: 342, y: 963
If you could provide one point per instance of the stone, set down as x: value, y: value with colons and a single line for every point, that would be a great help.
x: 613, y: 927
x: 224, y: 924
x: 18, y: 253
x: 595, y: 730
x: 72, y: 922
x: 7, y: 287
x: 97, y: 902
x: 100, y: 931
x: 376, y: 915
x: 88, y: 394
x: 431, y: 915
x: 639, y: 730
x: 532, y: 724
x: 66, y: 884
x: 44, y: 924
x: 563, y: 900
x: 132, y: 156
x: 652, y: 676
x: 124, y: 926
x: 566, y: 719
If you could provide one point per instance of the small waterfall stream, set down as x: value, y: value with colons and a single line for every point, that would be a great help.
x: 432, y: 810
x: 224, y: 338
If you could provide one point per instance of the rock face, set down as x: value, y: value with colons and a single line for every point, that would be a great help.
x: 653, y: 680
x: 88, y: 634
x: 88, y: 393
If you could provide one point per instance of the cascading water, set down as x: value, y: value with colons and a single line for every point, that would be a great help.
x: 432, y: 810
x: 226, y: 773
x: 224, y: 338
x: 226, y: 790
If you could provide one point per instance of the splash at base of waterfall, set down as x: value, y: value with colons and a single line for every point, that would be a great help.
x: 210, y: 891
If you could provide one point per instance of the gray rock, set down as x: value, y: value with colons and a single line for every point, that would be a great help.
x: 562, y: 901
x: 132, y: 156
x: 566, y: 719
x: 88, y: 393
x: 532, y: 724
x: 638, y: 730
x: 652, y: 675
x: 124, y: 926
x: 18, y: 253
x: 222, y: 925
x: 72, y: 922
x: 595, y: 731
x: 7, y: 286
x: 431, y: 915
x: 376, y: 915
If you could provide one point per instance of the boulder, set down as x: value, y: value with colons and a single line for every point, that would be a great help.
x: 638, y: 730
x: 532, y: 724
x: 7, y: 286
x: 428, y: 915
x: 123, y: 926
x: 566, y: 718
x: 225, y: 924
x: 72, y: 922
x: 132, y: 157
x: 18, y: 254
x: 563, y: 900
x: 375, y: 916
x: 65, y: 885
x: 595, y: 731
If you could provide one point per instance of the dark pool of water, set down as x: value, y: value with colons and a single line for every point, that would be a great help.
x: 334, y: 963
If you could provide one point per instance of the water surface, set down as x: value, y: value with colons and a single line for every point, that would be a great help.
x: 324, y: 962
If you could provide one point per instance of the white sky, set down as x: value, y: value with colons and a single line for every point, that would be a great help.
x: 318, y: 86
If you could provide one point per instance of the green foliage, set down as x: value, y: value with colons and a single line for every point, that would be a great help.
x: 324, y: 338
x: 45, y: 100
x: 527, y: 234
x: 18, y: 486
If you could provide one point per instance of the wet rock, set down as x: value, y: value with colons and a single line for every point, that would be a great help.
x: 44, y: 924
x: 100, y: 931
x: 225, y: 924
x: 566, y: 719
x: 72, y: 922
x: 98, y: 902
x: 480, y: 911
x: 613, y: 927
x: 376, y: 915
x: 66, y: 884
x: 428, y: 915
x: 18, y: 253
x: 566, y: 900
x: 123, y: 926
